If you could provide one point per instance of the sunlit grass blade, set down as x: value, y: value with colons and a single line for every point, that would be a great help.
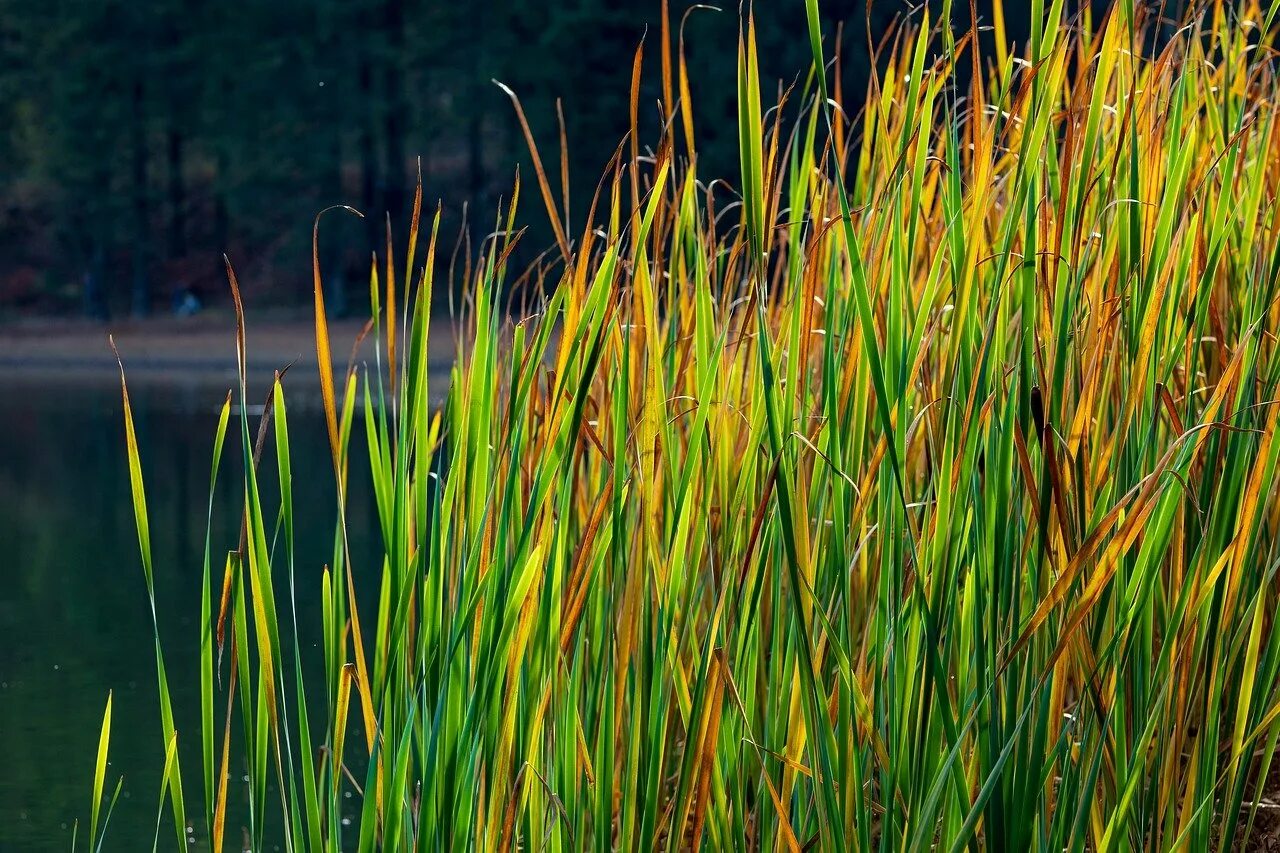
x: 917, y: 493
x: 100, y: 773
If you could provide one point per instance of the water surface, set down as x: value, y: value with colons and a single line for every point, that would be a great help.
x: 74, y: 617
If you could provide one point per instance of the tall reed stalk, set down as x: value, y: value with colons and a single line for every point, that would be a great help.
x: 920, y: 494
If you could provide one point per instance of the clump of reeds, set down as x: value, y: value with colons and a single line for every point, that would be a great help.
x: 920, y: 494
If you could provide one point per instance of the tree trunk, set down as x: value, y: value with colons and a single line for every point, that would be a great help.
x: 140, y: 291
x: 395, y: 107
x: 331, y: 260
x: 177, y: 194
x: 331, y: 66
x: 368, y: 153
x: 476, y: 86
x: 221, y: 212
x: 475, y: 156
x: 95, y: 296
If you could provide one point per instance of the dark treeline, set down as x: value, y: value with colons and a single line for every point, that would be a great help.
x: 140, y: 140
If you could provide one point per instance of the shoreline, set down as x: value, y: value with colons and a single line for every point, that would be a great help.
x: 184, y: 351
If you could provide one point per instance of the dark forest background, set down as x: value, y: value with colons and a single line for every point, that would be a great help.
x: 140, y: 140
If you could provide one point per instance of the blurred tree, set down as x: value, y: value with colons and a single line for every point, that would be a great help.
x: 142, y: 140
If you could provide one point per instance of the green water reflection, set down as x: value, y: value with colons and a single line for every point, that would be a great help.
x: 74, y: 620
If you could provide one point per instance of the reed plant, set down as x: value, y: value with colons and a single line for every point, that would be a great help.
x: 918, y: 493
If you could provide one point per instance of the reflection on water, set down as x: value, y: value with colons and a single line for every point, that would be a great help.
x: 74, y: 620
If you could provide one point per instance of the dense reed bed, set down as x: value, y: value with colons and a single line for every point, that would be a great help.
x: 919, y: 493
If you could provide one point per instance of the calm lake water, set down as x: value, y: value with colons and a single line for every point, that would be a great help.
x: 74, y: 618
